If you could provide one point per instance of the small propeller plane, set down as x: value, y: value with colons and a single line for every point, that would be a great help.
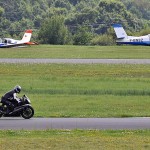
x: 123, y: 38
x: 8, y: 42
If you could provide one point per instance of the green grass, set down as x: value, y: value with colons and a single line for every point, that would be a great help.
x: 79, y: 91
x: 75, y: 140
x: 91, y: 106
x: 63, y: 90
x: 69, y: 51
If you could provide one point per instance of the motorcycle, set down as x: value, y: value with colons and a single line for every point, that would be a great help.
x: 23, y: 108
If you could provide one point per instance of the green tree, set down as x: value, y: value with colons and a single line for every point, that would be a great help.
x: 140, y: 8
x: 1, y: 11
x: 83, y: 36
x: 99, y: 14
x: 53, y: 31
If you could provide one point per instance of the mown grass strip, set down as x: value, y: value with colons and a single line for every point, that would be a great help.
x: 75, y: 139
x: 129, y: 92
x: 71, y: 51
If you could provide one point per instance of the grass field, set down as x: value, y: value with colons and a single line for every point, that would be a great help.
x: 79, y: 91
x: 63, y: 90
x: 50, y: 51
x: 75, y: 140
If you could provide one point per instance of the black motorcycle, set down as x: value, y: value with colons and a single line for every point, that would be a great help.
x: 23, y: 108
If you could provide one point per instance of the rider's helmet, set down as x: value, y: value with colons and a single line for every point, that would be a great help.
x: 17, y: 88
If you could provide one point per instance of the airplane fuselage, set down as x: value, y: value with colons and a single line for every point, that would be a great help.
x: 141, y: 40
x: 7, y: 42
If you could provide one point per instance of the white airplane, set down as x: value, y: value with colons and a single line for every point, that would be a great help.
x: 8, y: 42
x: 123, y: 38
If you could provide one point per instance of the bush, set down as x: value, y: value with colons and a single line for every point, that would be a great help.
x: 103, y: 40
x: 82, y: 36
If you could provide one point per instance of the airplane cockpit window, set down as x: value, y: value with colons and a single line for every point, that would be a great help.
x: 5, y: 41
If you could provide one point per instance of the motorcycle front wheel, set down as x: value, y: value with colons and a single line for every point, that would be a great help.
x: 28, y: 112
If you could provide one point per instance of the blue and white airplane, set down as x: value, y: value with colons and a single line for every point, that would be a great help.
x: 123, y: 38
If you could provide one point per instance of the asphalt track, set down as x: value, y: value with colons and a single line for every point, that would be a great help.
x: 74, y: 123
x: 75, y: 61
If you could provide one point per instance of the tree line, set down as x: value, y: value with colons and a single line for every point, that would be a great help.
x: 80, y: 22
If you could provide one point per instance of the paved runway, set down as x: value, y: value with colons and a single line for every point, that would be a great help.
x: 74, y: 123
x: 76, y: 61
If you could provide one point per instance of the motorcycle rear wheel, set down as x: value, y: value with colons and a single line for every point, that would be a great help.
x: 1, y: 114
x: 27, y: 113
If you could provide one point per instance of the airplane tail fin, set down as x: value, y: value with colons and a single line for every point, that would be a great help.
x: 27, y: 36
x: 120, y: 32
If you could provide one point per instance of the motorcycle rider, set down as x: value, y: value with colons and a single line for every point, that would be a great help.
x: 11, y: 97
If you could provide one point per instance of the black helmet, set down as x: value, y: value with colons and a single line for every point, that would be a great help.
x: 17, y: 89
